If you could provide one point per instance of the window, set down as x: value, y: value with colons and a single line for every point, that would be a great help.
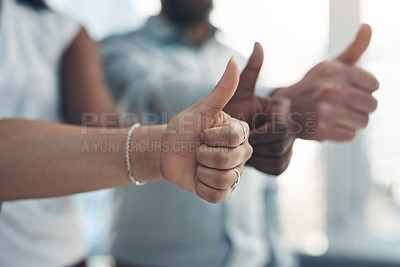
x: 382, y: 198
x: 295, y: 37
x: 363, y: 175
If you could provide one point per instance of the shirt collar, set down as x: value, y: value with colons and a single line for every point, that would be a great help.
x: 165, y: 30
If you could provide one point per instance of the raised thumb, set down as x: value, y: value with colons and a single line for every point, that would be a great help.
x: 355, y: 50
x: 249, y: 76
x: 217, y: 99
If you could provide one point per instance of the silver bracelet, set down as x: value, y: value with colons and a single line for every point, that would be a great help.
x: 128, y: 158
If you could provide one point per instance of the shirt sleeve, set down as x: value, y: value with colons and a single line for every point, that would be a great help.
x: 265, y: 91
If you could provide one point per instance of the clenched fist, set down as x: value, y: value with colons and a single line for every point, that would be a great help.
x: 206, y: 149
x: 268, y: 118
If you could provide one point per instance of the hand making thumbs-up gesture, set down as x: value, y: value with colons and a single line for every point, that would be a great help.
x: 334, y: 99
x: 205, y: 148
x: 268, y: 119
x: 331, y: 102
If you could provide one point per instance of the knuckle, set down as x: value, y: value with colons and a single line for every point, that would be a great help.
x: 234, y: 135
x: 247, y: 153
x: 205, y: 136
x: 222, y: 159
x: 322, y: 110
x: 326, y: 91
x: 376, y: 84
x: 373, y: 81
x: 198, y: 174
x: 201, y: 175
x: 321, y: 132
x: 364, y: 121
x: 277, y: 148
x: 197, y: 187
x: 222, y: 181
x: 250, y: 151
x: 322, y: 128
x: 350, y: 135
x: 281, y: 167
x: 331, y: 68
x: 215, y: 197
x: 276, y: 171
x: 374, y: 104
x: 322, y: 93
x: 201, y: 154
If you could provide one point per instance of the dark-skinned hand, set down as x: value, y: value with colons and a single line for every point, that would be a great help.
x: 267, y: 117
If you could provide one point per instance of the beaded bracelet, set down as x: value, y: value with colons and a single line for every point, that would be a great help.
x: 127, y: 156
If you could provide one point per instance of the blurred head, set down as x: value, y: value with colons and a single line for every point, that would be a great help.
x: 187, y: 12
x: 34, y: 3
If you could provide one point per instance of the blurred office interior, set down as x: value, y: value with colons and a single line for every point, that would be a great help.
x: 339, y: 203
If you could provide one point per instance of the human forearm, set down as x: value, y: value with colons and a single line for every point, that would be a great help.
x: 85, y: 91
x: 40, y: 159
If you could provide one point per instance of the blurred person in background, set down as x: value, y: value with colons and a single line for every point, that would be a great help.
x: 180, y: 48
x: 41, y: 50
x: 51, y: 71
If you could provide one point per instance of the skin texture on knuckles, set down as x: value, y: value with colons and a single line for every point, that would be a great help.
x: 217, y: 181
x: 231, y: 135
x: 227, y: 178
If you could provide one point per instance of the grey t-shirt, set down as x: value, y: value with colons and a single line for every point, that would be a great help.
x: 156, y: 70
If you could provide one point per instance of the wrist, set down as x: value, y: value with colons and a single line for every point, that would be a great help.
x: 295, y: 116
x: 286, y: 92
x: 146, y: 149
